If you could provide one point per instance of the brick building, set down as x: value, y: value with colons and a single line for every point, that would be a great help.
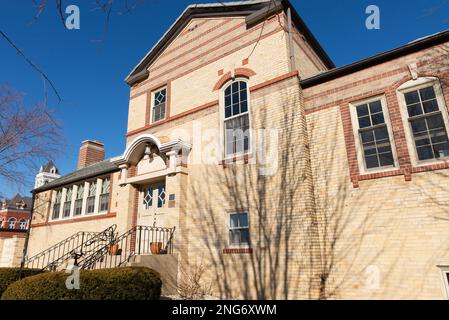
x: 270, y: 172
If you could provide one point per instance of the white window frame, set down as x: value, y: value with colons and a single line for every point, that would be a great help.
x: 241, y: 245
x: 54, y: 203
x: 358, y: 143
x: 101, y: 194
x: 414, y: 85
x: 152, y: 105
x: 69, y: 190
x: 20, y: 224
x: 9, y: 223
x: 223, y: 119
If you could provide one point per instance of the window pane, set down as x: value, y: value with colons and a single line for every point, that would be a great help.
x: 414, y: 110
x: 244, y: 106
x: 244, y: 236
x: 381, y: 133
x: 377, y: 119
x: 362, y: 111
x: 243, y: 220
x: 243, y: 94
x: 375, y: 107
x: 364, y: 122
x: 427, y: 93
x: 228, y: 91
x: 411, y: 97
x: 235, y: 109
x: 435, y: 122
x: 234, y: 236
x: 430, y: 106
x: 441, y: 150
x: 367, y: 136
x: 386, y: 159
x: 235, y: 87
x: 425, y: 153
x: 227, y: 101
x: 228, y: 112
x: 418, y: 125
x: 372, y: 162
x: 234, y: 223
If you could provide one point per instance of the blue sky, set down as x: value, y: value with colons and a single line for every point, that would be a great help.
x: 88, y: 65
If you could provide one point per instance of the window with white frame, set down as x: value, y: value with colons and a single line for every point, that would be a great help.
x: 67, y: 203
x: 90, y: 201
x: 426, y: 122
x: 57, y: 205
x: 373, y: 134
x: 239, y: 229
x: 22, y: 224
x: 79, y: 200
x: 104, y: 196
x: 236, y: 119
x: 12, y: 223
x: 159, y: 104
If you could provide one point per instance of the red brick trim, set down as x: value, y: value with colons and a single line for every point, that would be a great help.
x: 195, y: 38
x: 212, y: 103
x: 201, y: 65
x: 199, y: 46
x: 177, y: 116
x: 237, y: 251
x: 273, y: 81
x: 220, y: 72
x: 245, y: 61
x: 75, y: 220
x: 239, y: 72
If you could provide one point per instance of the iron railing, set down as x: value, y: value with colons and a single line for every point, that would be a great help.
x: 136, y: 241
x: 80, y: 244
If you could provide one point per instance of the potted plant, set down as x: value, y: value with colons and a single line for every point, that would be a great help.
x: 113, y: 248
x: 155, y: 247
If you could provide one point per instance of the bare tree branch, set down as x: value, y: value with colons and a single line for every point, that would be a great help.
x: 31, y: 63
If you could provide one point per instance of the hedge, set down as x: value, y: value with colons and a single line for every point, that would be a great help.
x: 129, y: 283
x: 10, y: 275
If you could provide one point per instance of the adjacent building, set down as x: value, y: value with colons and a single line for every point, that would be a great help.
x: 273, y: 173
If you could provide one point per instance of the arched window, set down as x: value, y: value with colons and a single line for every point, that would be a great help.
x: 236, y: 118
x: 22, y: 224
x: 12, y: 223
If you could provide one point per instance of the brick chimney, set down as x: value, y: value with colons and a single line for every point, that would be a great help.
x: 90, y: 152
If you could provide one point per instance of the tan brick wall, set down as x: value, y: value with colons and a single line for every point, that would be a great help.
x: 388, y: 225
x: 11, y: 251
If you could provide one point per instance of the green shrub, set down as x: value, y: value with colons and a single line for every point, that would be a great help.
x: 130, y: 283
x: 10, y: 275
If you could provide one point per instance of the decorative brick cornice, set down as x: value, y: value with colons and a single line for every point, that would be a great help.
x: 239, y: 72
x: 237, y: 251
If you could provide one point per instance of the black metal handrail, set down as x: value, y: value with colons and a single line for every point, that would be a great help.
x: 136, y: 241
x: 78, y: 245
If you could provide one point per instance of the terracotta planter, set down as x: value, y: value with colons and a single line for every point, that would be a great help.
x: 155, y: 247
x: 113, y: 249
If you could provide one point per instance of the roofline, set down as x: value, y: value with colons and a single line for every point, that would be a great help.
x: 409, y: 48
x: 74, y: 180
x: 213, y: 10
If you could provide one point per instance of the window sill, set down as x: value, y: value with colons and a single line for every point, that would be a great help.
x: 238, y: 157
x: 78, y: 219
x: 237, y: 250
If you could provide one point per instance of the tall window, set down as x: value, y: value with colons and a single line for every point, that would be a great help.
x: 12, y: 223
x: 427, y: 124
x: 90, y: 201
x: 159, y: 103
x: 373, y: 135
x: 239, y: 229
x: 79, y: 200
x: 22, y: 224
x: 161, y: 196
x: 104, y: 196
x: 57, y: 205
x: 67, y: 203
x: 236, y: 118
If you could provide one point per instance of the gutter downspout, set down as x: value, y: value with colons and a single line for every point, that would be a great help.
x: 27, y: 238
x: 290, y: 41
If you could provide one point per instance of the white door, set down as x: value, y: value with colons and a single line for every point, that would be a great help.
x: 151, y: 204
